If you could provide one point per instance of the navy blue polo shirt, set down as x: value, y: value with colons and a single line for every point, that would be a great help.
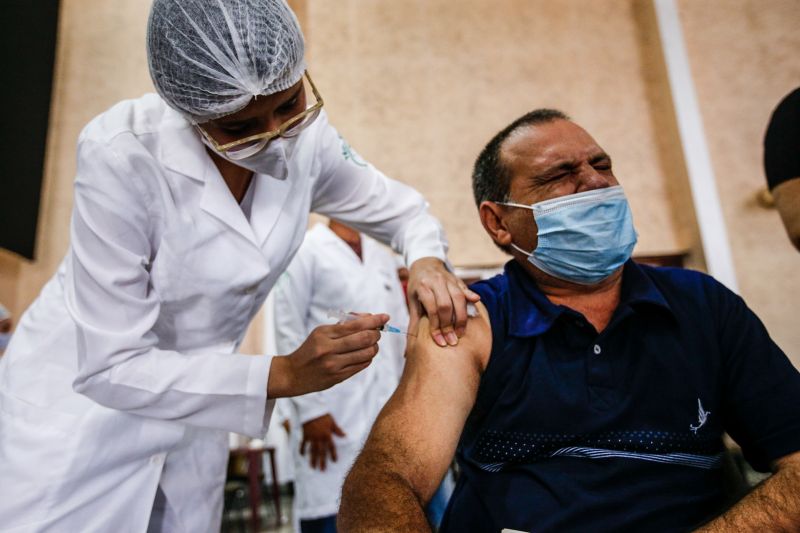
x: 619, y: 431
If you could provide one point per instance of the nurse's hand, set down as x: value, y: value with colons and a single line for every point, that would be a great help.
x: 329, y: 355
x: 436, y: 292
x: 318, y: 435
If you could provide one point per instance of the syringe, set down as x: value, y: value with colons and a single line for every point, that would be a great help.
x: 346, y: 316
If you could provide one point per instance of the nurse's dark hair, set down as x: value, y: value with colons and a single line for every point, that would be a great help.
x: 490, y: 177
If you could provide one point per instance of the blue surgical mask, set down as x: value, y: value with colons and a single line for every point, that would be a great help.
x: 583, y: 237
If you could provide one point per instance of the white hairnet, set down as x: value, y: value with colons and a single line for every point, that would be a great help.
x: 209, y: 58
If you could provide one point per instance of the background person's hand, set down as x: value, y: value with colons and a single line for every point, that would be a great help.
x: 436, y: 292
x: 329, y: 355
x: 318, y: 435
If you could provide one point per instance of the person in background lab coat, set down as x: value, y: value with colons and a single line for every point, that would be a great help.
x: 336, y: 268
x: 123, y: 378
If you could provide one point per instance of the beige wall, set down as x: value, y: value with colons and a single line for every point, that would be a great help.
x: 419, y: 86
x: 100, y: 59
x: 744, y: 58
x: 422, y: 99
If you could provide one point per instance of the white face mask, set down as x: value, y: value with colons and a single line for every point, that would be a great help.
x: 271, y: 160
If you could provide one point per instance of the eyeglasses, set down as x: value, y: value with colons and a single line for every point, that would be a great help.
x: 255, y: 143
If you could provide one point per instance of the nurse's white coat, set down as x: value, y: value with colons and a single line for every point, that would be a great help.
x: 123, y: 375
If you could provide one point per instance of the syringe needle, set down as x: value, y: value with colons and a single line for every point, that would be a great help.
x: 388, y: 328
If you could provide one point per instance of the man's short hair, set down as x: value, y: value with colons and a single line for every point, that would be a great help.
x: 490, y: 177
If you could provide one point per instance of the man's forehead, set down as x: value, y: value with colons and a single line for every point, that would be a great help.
x: 549, y: 142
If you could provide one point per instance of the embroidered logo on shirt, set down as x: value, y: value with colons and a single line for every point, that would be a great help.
x: 349, y: 154
x: 702, y: 416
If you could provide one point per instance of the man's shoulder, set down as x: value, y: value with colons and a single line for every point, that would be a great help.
x: 496, y: 284
x: 684, y: 288
x: 679, y: 278
x: 492, y: 290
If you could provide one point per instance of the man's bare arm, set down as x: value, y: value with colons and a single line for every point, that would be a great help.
x: 774, y: 505
x: 414, y: 439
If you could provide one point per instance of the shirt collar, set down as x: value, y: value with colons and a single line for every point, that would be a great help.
x: 331, y: 239
x: 639, y: 288
x: 531, y: 313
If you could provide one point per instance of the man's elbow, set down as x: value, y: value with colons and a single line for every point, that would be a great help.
x: 377, y: 498
x: 352, y: 496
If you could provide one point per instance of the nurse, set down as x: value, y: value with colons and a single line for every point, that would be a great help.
x: 123, y: 379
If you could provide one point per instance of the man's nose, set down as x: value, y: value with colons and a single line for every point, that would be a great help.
x: 591, y: 179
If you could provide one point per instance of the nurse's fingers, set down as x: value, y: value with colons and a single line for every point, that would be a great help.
x: 363, y: 356
x: 459, y: 308
x: 352, y: 370
x: 427, y: 299
x: 356, y: 341
x: 362, y: 323
x: 444, y: 310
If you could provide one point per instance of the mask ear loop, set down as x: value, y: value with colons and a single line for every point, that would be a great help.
x: 514, y: 204
x: 520, y: 250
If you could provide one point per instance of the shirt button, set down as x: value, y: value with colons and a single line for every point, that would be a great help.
x: 597, y: 349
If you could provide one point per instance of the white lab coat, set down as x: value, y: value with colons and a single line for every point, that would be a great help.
x: 123, y: 376
x: 327, y: 274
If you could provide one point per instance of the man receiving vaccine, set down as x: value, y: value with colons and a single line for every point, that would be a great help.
x: 592, y: 393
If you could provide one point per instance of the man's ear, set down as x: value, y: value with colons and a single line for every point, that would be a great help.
x: 787, y: 200
x: 492, y: 219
